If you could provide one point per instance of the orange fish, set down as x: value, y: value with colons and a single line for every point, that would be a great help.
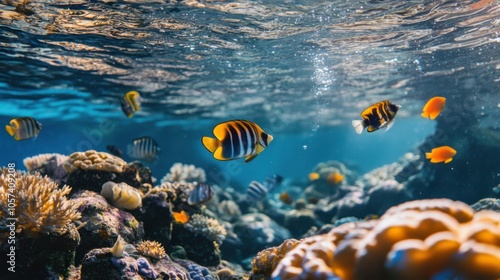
x: 181, y: 217
x: 433, y: 107
x: 313, y: 176
x: 335, y: 178
x: 286, y: 198
x: 440, y: 154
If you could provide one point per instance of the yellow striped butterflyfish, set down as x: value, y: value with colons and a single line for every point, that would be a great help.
x: 378, y: 115
x: 131, y: 103
x: 23, y: 128
x: 236, y: 139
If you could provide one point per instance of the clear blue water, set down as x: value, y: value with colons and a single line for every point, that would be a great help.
x: 301, y: 70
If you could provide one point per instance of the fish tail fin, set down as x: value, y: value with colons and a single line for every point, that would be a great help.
x: 210, y: 143
x: 11, y: 130
x: 358, y: 126
x: 428, y: 155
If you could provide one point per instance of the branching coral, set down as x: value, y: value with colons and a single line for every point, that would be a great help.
x: 185, y: 173
x: 92, y: 160
x: 207, y: 227
x: 415, y: 240
x: 40, y: 206
x: 151, y: 249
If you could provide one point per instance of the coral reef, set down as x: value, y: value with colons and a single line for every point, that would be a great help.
x: 40, y: 207
x: 122, y: 195
x: 323, y: 185
x: 209, y: 228
x: 424, y: 239
x: 195, y: 271
x: 48, y: 164
x: 266, y: 261
x: 151, y: 249
x: 257, y: 231
x: 185, y: 173
x: 299, y: 220
x: 45, y: 234
x: 487, y: 204
x: 104, y: 223
x: 90, y: 170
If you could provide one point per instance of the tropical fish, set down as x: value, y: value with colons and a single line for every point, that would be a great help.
x: 23, y: 128
x: 131, y: 103
x: 313, y: 176
x: 433, y: 107
x: 286, y: 198
x: 256, y: 191
x: 335, y: 178
x: 271, y: 182
x: 144, y: 148
x: 181, y: 217
x: 378, y: 115
x: 237, y: 139
x: 200, y: 194
x: 440, y: 154
x: 114, y: 150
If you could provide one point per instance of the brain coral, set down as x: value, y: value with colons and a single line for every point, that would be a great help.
x: 35, y: 162
x: 92, y: 160
x: 185, y: 173
x: 207, y: 227
x: 425, y: 239
x: 40, y: 206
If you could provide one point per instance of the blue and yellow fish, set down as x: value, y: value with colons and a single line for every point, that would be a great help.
x: 237, y: 139
x: 378, y: 115
x: 23, y: 128
x: 131, y: 103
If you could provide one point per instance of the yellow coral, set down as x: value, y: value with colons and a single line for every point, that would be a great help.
x: 267, y: 260
x: 415, y: 240
x: 92, y: 160
x: 151, y: 249
x: 40, y: 206
x: 35, y: 162
x: 122, y: 195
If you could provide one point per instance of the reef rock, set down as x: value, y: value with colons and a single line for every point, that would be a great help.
x: 104, y: 223
x: 257, y: 231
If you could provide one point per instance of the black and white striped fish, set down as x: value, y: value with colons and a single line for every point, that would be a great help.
x: 256, y: 191
x: 200, y: 194
x: 236, y: 139
x: 144, y: 148
x: 23, y: 128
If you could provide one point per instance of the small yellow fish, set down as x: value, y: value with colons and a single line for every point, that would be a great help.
x: 237, y: 139
x: 313, y: 176
x: 440, y: 154
x: 378, y: 115
x: 23, y: 128
x: 335, y: 178
x: 131, y: 103
x: 433, y: 107
x: 181, y: 217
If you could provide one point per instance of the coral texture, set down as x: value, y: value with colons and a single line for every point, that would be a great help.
x: 40, y: 206
x: 424, y: 239
x: 267, y: 260
x: 185, y: 173
x: 122, y: 195
x: 151, y: 249
x: 209, y: 228
x: 93, y: 160
x: 36, y: 162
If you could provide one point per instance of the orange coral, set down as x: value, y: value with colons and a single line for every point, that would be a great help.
x: 93, y: 160
x: 415, y: 240
x: 267, y: 260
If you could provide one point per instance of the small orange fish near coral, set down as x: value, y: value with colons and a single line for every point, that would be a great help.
x: 286, y: 198
x: 313, y: 176
x: 440, y: 154
x: 181, y: 217
x: 335, y: 178
x: 433, y: 107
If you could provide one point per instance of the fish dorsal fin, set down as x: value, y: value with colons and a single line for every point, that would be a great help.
x: 251, y: 157
x: 220, y: 131
x: 211, y: 144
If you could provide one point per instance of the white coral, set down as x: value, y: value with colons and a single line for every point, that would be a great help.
x: 185, y: 173
x: 208, y: 227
